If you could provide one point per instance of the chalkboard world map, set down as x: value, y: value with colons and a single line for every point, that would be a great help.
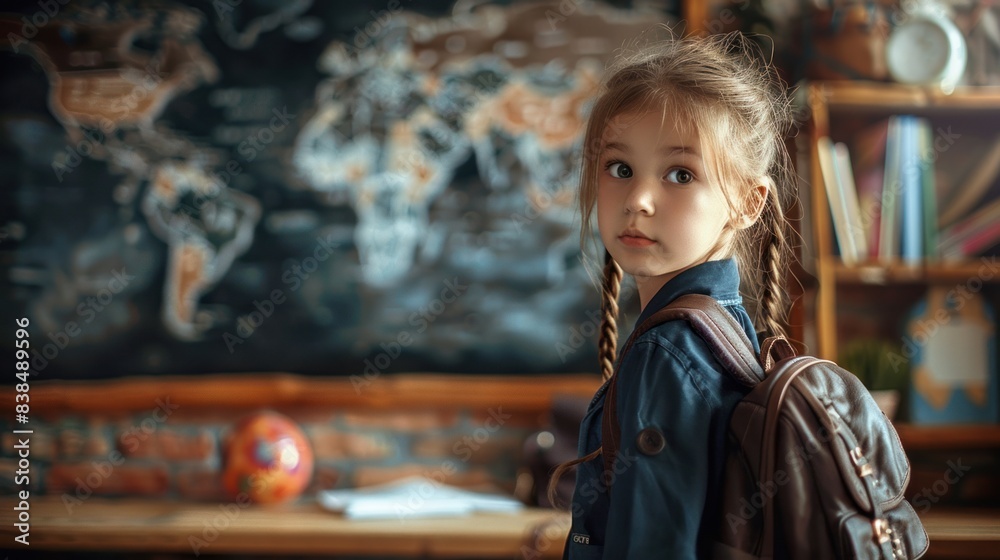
x: 248, y: 186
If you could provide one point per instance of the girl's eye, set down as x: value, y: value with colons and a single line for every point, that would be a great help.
x: 682, y: 176
x: 619, y: 170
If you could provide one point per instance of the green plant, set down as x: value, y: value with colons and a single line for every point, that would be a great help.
x: 869, y: 361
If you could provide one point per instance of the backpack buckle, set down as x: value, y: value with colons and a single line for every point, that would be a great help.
x: 864, y: 469
x: 897, y: 548
x: 883, y: 533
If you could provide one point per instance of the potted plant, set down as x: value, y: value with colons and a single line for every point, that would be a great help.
x: 881, y: 368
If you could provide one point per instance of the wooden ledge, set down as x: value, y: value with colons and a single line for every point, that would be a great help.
x: 199, y: 528
x: 388, y: 391
x: 883, y: 96
x: 180, y: 527
x: 948, y: 437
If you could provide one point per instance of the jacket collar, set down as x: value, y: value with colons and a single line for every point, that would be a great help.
x: 719, y: 279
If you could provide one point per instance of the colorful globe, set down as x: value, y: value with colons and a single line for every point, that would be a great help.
x: 267, y: 459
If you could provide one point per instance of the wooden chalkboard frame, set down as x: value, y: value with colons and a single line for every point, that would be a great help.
x: 525, y: 393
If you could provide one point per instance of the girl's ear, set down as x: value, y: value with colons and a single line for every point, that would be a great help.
x: 753, y: 204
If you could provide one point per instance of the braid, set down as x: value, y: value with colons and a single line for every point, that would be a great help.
x: 608, y: 343
x: 773, y: 304
x: 561, y: 470
x: 607, y: 350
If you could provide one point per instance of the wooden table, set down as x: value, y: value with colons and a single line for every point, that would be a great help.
x: 961, y: 533
x: 180, y: 527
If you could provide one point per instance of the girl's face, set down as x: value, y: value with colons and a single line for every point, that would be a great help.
x: 657, y: 212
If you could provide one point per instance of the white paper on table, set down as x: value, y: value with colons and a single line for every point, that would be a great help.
x: 413, y: 497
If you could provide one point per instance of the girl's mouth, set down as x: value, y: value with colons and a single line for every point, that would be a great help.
x: 635, y: 238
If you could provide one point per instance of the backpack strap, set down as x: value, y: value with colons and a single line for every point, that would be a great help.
x: 776, y: 395
x: 716, y: 326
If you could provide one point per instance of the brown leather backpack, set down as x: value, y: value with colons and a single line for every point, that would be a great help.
x: 814, y: 468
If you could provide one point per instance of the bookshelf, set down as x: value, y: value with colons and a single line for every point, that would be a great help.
x: 869, y: 298
x: 837, y: 111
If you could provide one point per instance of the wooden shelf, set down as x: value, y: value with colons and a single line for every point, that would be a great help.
x: 887, y: 274
x: 879, y: 96
x: 946, y: 438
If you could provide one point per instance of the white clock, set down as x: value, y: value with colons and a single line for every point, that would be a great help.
x: 927, y: 49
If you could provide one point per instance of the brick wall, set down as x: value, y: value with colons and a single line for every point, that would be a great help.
x: 168, y: 451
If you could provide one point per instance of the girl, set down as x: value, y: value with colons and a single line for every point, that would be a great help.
x: 686, y: 164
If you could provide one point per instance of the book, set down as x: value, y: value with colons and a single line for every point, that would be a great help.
x: 888, y: 248
x: 973, y: 186
x: 868, y: 149
x: 973, y: 234
x: 838, y: 203
x: 928, y: 186
x: 985, y: 237
x: 869, y: 185
x: 911, y: 209
x: 845, y: 183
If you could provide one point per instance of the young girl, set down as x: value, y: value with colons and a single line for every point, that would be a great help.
x: 686, y: 165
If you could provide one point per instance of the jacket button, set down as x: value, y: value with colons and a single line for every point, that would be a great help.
x: 650, y: 441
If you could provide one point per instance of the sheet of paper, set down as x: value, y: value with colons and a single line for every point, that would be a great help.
x: 413, y: 497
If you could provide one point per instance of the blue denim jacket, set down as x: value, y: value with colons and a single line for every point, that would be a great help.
x: 662, y: 504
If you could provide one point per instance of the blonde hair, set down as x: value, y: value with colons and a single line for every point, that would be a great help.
x: 722, y: 87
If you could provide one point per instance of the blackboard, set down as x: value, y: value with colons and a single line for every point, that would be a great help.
x: 236, y: 186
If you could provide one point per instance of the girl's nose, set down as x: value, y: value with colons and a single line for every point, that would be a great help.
x: 640, y: 198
